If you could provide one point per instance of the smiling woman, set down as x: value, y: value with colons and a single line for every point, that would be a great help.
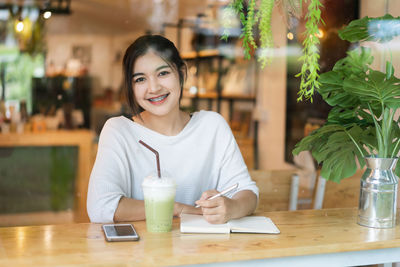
x: 198, y: 150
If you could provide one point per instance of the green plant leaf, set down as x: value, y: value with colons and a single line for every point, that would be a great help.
x: 389, y: 69
x: 397, y: 169
x: 316, y: 139
x: 332, y: 146
x: 337, y: 168
x: 366, y: 117
x: 345, y: 117
x: 395, y: 137
x: 381, y: 29
x: 356, y: 63
x: 332, y: 91
x: 369, y: 138
x: 375, y: 89
x: 340, y: 155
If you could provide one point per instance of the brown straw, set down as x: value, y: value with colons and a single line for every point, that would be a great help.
x: 157, y: 156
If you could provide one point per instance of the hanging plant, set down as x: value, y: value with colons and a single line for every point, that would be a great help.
x: 251, y: 16
x: 310, y: 68
x: 37, y: 44
x: 31, y: 38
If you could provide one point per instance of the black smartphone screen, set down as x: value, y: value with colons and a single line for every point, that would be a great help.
x: 120, y: 232
x: 124, y: 230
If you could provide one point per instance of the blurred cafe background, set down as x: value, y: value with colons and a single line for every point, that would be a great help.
x: 60, y: 71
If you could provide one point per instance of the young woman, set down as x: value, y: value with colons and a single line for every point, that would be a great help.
x: 198, y: 150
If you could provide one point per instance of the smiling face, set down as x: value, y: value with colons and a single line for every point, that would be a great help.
x: 156, y: 85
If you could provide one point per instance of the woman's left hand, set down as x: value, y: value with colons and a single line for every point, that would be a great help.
x: 218, y: 210
x: 180, y: 208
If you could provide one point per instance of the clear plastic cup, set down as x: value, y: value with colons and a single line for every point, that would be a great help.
x: 159, y: 199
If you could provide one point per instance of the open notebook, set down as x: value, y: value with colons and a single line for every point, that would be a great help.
x: 191, y: 223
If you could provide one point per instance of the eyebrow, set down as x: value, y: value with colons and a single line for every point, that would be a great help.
x: 159, y: 68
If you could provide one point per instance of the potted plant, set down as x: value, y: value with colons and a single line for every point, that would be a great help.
x: 362, y: 125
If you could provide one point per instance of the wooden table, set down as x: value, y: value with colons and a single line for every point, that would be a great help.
x: 308, y: 238
x: 83, y: 139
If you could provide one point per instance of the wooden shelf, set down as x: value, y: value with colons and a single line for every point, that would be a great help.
x: 238, y: 97
x: 207, y: 95
x: 214, y: 95
x: 202, y: 53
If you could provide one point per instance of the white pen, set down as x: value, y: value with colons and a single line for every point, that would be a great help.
x: 223, y: 192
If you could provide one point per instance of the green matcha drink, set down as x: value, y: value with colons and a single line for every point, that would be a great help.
x: 159, y: 199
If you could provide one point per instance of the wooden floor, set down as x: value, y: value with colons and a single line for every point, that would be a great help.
x: 36, y: 218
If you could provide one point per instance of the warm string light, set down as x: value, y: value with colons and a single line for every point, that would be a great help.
x: 47, y: 14
x: 19, y: 27
x: 23, y: 25
x: 320, y: 33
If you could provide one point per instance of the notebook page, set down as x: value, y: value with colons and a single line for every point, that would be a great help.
x: 192, y: 223
x: 253, y: 224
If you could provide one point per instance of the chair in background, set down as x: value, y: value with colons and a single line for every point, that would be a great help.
x: 308, y: 174
x: 278, y: 189
x: 345, y: 194
x: 306, y: 168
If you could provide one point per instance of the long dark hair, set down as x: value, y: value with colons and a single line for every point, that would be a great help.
x: 162, y: 47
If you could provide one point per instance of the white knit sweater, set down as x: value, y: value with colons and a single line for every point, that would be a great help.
x: 203, y: 156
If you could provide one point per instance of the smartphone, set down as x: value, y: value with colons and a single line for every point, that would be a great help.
x: 120, y: 232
